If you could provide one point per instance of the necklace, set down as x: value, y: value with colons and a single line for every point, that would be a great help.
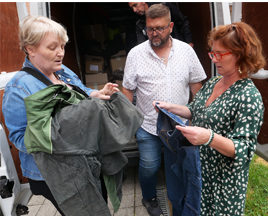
x: 59, y: 81
x: 164, y: 59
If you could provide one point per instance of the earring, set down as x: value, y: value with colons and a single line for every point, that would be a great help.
x: 239, y: 70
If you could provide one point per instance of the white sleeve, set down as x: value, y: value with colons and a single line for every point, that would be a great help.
x: 197, y: 73
x: 130, y: 72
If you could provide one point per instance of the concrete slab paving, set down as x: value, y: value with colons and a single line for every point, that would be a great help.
x: 131, y: 201
x: 47, y: 209
x: 130, y: 205
x: 36, y: 200
x: 33, y: 209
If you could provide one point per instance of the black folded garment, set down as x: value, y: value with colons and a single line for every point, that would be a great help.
x: 167, y: 132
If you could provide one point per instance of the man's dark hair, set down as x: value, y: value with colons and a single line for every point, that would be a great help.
x: 157, y: 11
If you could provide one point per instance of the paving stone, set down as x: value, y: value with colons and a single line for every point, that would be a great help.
x: 127, y: 201
x: 138, y: 198
x: 36, y: 200
x: 130, y: 206
x: 141, y: 211
x: 137, y: 188
x: 128, y: 188
x: 125, y: 212
x: 33, y: 209
x: 47, y: 209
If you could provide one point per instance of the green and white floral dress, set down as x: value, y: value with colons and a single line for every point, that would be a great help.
x: 237, y: 114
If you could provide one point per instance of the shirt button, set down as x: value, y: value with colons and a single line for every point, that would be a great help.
x: 68, y: 80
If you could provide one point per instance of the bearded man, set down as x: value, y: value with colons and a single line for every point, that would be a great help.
x: 165, y: 69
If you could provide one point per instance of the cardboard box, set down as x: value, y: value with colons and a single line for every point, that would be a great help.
x: 119, y: 82
x: 94, y: 64
x: 96, y: 32
x: 99, y: 78
x: 95, y: 86
x: 118, y: 61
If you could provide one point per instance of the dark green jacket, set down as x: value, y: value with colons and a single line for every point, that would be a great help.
x: 72, y: 138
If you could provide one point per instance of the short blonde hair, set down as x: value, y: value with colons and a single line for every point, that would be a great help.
x: 34, y: 28
x: 240, y: 39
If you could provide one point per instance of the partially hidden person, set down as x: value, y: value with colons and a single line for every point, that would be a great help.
x: 181, y: 28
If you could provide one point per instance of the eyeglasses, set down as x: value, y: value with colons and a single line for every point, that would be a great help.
x: 158, y: 30
x: 218, y: 56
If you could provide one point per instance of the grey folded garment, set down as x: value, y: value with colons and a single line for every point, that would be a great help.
x: 73, y: 138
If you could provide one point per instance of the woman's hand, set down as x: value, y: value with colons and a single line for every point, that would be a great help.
x: 161, y: 104
x: 195, y: 135
x: 106, y: 92
x: 199, y: 136
x: 181, y: 110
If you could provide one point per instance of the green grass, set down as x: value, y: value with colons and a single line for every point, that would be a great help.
x: 257, y: 192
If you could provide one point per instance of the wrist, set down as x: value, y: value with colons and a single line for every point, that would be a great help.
x: 93, y: 93
x: 210, y: 138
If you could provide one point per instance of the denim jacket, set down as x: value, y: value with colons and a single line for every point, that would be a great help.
x: 19, y: 87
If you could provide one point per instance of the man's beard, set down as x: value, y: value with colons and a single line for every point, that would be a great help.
x: 160, y: 43
x: 141, y: 13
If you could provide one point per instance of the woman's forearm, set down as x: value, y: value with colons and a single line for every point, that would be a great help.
x: 180, y: 110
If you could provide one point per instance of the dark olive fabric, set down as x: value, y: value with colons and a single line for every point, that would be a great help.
x: 93, y: 122
x: 73, y: 139
x: 40, y: 108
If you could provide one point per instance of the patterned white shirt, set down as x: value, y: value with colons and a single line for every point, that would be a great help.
x: 146, y: 73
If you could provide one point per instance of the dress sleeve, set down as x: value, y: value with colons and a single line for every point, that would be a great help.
x: 192, y: 104
x: 248, y: 119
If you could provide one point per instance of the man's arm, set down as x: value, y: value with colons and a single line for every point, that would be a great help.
x: 128, y: 93
x: 194, y: 87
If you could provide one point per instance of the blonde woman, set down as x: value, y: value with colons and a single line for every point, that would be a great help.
x: 43, y: 41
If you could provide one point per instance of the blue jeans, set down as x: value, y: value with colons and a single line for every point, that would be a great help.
x: 150, y: 161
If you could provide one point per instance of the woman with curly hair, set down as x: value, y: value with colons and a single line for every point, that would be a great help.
x: 226, y: 115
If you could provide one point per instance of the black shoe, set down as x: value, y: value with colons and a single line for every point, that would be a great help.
x: 152, y: 207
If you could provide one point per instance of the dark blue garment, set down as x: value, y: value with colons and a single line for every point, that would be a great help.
x: 167, y: 132
x: 182, y: 166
